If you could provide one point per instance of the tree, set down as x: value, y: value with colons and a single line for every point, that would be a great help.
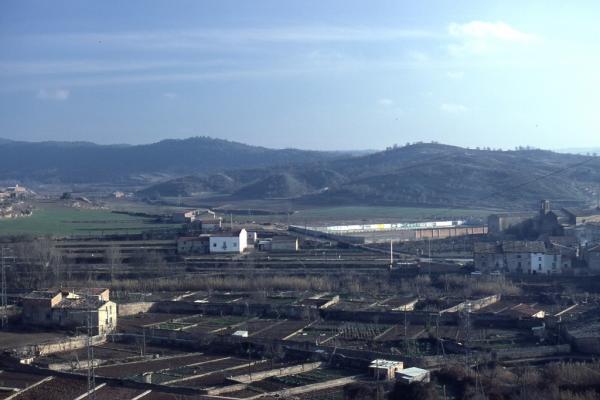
x: 113, y: 258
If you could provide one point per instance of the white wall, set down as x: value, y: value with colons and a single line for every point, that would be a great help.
x: 229, y: 244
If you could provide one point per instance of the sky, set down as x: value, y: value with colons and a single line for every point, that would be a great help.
x: 322, y: 74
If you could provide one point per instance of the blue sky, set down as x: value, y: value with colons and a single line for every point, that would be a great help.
x: 309, y: 74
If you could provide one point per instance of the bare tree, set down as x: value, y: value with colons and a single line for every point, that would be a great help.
x: 113, y: 258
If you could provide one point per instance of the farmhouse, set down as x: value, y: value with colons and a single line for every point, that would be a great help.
x: 210, y: 225
x: 70, y: 309
x: 520, y: 257
x: 185, y: 216
x: 229, y: 242
x: 193, y: 244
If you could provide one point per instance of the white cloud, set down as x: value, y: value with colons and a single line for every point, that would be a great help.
x: 453, y: 108
x: 53, y: 94
x: 482, y: 30
x: 479, y: 37
x: 385, y: 102
x: 455, y: 75
x: 210, y: 38
x: 169, y: 95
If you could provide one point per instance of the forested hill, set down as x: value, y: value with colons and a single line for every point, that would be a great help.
x: 419, y: 174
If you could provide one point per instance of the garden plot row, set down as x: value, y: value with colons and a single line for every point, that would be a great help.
x: 136, y: 368
x: 113, y: 393
x: 281, y: 329
x: 336, y: 393
x: 63, y: 388
x: 55, y: 389
x: 145, y: 319
x: 171, y: 374
x: 208, y: 324
x: 220, y: 378
x: 274, y: 384
x: 399, y: 332
x: 107, y: 353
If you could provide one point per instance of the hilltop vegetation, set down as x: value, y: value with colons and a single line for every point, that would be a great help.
x: 423, y: 174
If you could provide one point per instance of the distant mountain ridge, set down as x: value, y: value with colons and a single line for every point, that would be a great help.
x: 422, y: 174
x: 76, y: 162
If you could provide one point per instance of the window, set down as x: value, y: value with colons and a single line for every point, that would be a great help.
x: 539, y: 258
x: 234, y: 244
x: 215, y: 244
x: 540, y: 267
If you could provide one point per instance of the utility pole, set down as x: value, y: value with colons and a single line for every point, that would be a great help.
x: 468, y: 338
x: 391, y: 254
x: 91, y: 372
x: 4, y: 300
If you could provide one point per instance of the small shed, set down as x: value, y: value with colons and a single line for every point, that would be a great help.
x: 413, y: 374
x: 385, y: 369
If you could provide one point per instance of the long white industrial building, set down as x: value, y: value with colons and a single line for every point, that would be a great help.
x: 400, y: 226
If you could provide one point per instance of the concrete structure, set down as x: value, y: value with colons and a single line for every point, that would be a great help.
x: 413, y: 374
x: 385, y: 369
x: 210, y: 225
x: 232, y: 242
x: 284, y: 244
x: 583, y: 216
x: 70, y: 309
x: 193, y: 245
x: 519, y: 257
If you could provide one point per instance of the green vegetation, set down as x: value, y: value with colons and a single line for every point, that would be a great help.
x: 59, y: 220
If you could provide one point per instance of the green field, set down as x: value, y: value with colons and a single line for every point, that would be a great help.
x: 59, y: 220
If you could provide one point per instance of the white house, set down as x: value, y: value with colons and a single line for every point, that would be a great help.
x: 531, y: 257
x: 229, y: 242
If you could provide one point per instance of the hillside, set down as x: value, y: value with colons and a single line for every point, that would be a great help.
x: 427, y: 175
x: 77, y: 162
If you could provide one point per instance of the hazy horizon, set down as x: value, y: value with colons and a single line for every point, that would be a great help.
x: 341, y: 75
